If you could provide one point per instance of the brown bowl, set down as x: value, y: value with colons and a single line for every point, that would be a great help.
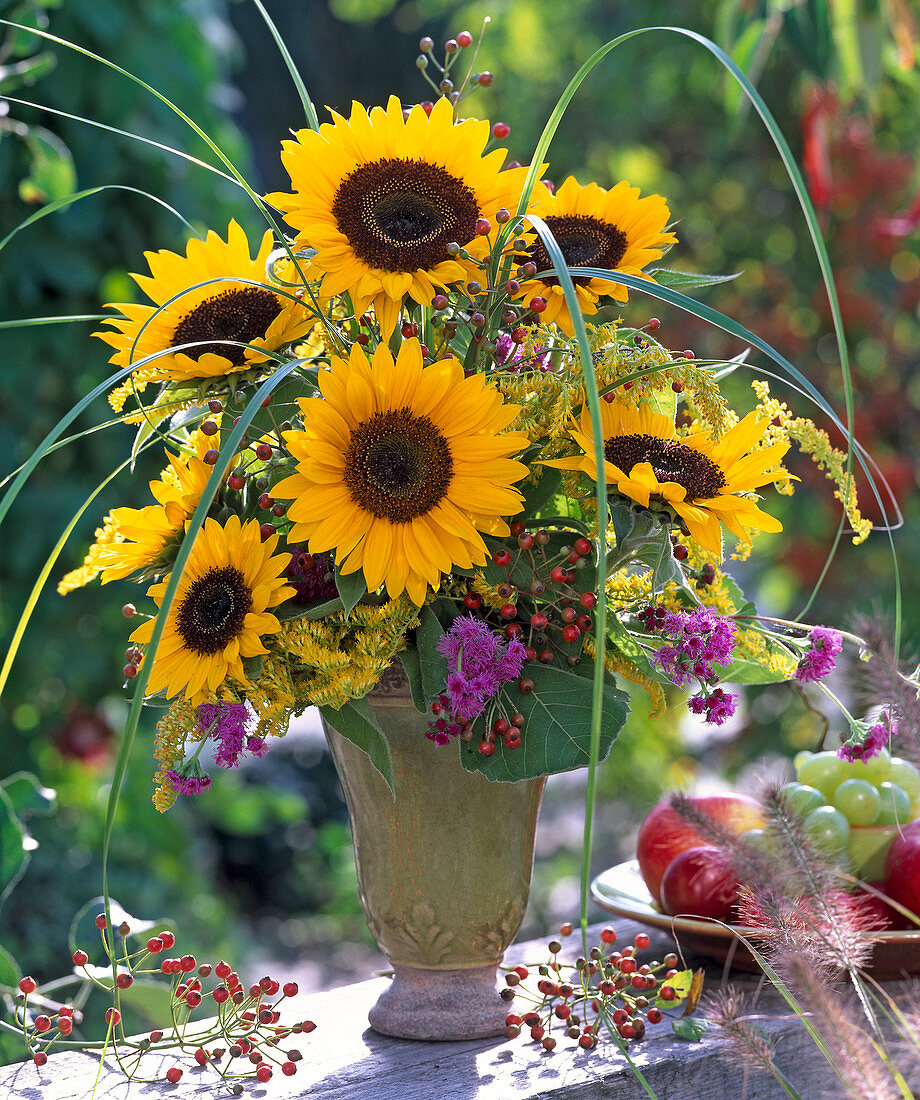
x: 620, y: 890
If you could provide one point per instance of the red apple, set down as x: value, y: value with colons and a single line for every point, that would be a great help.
x: 701, y: 882
x: 902, y: 868
x: 880, y: 916
x: 665, y: 834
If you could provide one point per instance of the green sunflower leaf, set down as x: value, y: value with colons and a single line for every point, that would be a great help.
x: 355, y: 721
x: 412, y: 665
x: 352, y: 588
x: 556, y: 736
x: 541, y: 492
x: 432, y: 664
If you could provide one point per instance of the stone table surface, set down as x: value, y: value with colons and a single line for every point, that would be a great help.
x: 344, y: 1060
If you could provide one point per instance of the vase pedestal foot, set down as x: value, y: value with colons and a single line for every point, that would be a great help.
x: 440, y: 1004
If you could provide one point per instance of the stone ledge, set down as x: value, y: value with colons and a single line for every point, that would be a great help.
x: 344, y: 1060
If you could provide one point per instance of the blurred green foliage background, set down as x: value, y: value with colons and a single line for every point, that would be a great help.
x: 659, y: 112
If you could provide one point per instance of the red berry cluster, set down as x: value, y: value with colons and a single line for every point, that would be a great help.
x: 546, y: 608
x: 487, y: 308
x: 248, y: 1024
x: 578, y: 999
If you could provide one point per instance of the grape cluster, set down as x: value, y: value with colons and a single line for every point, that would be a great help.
x: 834, y: 795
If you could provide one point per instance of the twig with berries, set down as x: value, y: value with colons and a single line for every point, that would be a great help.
x: 606, y: 992
x: 244, y: 1041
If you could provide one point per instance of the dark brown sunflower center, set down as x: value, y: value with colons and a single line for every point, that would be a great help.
x: 213, y: 610
x: 584, y: 241
x: 244, y: 314
x: 399, y: 215
x: 398, y: 466
x: 670, y: 461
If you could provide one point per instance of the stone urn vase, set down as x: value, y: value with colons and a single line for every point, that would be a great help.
x: 443, y: 873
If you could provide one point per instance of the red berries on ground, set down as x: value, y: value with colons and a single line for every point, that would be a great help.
x: 39, y: 1058
x: 288, y: 1069
x: 174, y: 1075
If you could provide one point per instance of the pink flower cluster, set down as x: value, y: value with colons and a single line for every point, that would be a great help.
x: 866, y: 743
x: 697, y: 640
x: 478, y: 666
x: 188, y: 784
x: 510, y: 356
x: 227, y: 723
x: 826, y: 645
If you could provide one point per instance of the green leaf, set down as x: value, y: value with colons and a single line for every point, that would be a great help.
x: 145, y: 1004
x: 539, y: 494
x: 351, y: 588
x: 28, y: 797
x: 283, y: 405
x: 355, y: 721
x: 743, y: 53
x: 690, y: 1028
x: 26, y: 72
x: 84, y: 934
x: 688, y: 280
x: 150, y: 424
x: 10, y: 971
x: 15, y: 846
x: 51, y: 174
x: 643, y: 538
x: 749, y: 672
x: 412, y: 665
x: 432, y: 664
x: 557, y: 727
x: 291, y: 610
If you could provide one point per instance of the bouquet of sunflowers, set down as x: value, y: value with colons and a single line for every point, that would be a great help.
x: 414, y: 429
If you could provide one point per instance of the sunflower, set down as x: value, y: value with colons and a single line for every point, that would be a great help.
x: 703, y: 480
x: 146, y: 532
x: 220, y: 611
x: 380, y: 197
x: 134, y: 539
x: 595, y: 227
x: 206, y: 315
x: 400, y: 466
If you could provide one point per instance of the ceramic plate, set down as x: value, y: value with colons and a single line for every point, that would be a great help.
x: 620, y: 890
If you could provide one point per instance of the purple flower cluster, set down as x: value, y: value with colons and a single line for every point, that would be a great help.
x: 478, y: 665
x: 311, y: 575
x: 717, y: 706
x: 226, y: 723
x: 826, y: 645
x: 188, y: 784
x: 510, y: 356
x: 863, y: 746
x: 698, y: 639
